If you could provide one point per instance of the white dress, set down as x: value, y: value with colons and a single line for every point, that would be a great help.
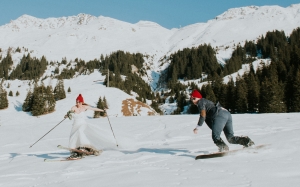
x: 87, y: 135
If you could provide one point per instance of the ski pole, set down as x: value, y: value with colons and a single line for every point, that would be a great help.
x: 112, y: 129
x: 47, y: 132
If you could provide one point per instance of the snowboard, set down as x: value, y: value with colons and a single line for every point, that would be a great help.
x: 225, y: 153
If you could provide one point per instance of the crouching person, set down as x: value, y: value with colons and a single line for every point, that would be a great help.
x: 218, y: 119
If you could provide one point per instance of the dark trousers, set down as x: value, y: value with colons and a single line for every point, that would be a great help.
x: 222, y: 122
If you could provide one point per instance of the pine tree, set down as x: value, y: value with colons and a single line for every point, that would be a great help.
x: 295, y: 101
x: 97, y: 114
x: 27, y: 105
x: 208, y: 93
x: 17, y: 93
x: 69, y: 90
x: 271, y: 97
x: 59, y: 90
x: 10, y: 93
x: 253, y: 93
x: 3, y: 97
x: 155, y: 106
x: 222, y: 96
x: 231, y: 96
x: 43, y: 100
x: 105, y: 103
x: 49, y: 100
x: 56, y: 71
x: 241, y: 96
x: 180, y: 101
x: 38, y: 100
x: 171, y: 99
x: 289, y: 90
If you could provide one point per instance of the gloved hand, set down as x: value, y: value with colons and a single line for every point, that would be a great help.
x: 69, y: 114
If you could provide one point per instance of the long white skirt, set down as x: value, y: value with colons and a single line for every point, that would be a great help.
x: 88, y: 135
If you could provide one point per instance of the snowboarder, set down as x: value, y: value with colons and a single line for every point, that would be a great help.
x: 84, y: 136
x: 218, y: 119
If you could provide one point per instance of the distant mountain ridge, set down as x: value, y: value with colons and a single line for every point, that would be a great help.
x: 87, y: 37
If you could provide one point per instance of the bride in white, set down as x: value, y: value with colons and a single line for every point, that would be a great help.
x: 84, y: 136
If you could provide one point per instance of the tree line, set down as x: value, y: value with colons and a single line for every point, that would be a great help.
x: 192, y: 63
x: 125, y: 70
x: 270, y: 88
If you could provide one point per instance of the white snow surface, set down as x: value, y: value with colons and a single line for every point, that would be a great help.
x: 160, y: 153
x: 153, y: 150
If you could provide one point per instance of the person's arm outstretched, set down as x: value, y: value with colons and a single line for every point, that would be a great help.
x: 94, y: 109
x: 201, y: 120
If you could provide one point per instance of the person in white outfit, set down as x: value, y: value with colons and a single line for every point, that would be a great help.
x: 84, y: 136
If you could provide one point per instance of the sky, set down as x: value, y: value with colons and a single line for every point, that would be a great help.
x: 167, y: 13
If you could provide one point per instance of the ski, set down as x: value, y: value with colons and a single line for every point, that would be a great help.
x: 60, y: 160
x: 75, y: 150
x: 221, y: 154
x: 79, y: 151
x: 72, y: 150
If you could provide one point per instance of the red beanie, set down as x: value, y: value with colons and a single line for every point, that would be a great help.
x: 196, y: 94
x: 80, y: 98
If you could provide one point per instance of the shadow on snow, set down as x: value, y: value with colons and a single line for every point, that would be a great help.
x: 176, y: 152
x: 44, y: 156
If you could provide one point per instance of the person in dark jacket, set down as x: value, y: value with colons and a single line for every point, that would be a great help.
x: 218, y: 119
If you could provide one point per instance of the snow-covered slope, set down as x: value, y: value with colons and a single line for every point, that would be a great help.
x: 154, y: 151
x: 90, y: 86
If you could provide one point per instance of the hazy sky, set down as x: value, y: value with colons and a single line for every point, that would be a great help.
x: 167, y: 13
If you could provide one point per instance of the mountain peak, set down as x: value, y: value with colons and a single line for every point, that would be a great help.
x: 241, y: 12
x: 147, y: 24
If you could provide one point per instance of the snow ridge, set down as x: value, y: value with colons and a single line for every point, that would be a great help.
x: 103, y: 35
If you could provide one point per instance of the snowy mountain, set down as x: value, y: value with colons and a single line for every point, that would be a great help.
x: 87, y: 37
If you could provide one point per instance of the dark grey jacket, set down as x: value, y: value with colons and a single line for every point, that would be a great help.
x: 210, y: 107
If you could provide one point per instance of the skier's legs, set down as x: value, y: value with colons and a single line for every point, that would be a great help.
x: 217, y: 128
x: 218, y: 125
x: 228, y: 131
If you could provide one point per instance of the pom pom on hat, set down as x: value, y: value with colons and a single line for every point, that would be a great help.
x: 196, y: 94
x: 80, y: 98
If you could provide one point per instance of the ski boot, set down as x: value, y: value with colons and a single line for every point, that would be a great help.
x: 85, y: 149
x: 245, y: 141
x: 97, y: 152
x: 75, y: 156
x: 94, y: 151
x: 222, y: 146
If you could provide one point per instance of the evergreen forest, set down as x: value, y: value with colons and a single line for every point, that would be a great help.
x: 271, y: 88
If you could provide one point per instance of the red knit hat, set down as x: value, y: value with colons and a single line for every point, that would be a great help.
x: 80, y: 98
x: 196, y: 94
